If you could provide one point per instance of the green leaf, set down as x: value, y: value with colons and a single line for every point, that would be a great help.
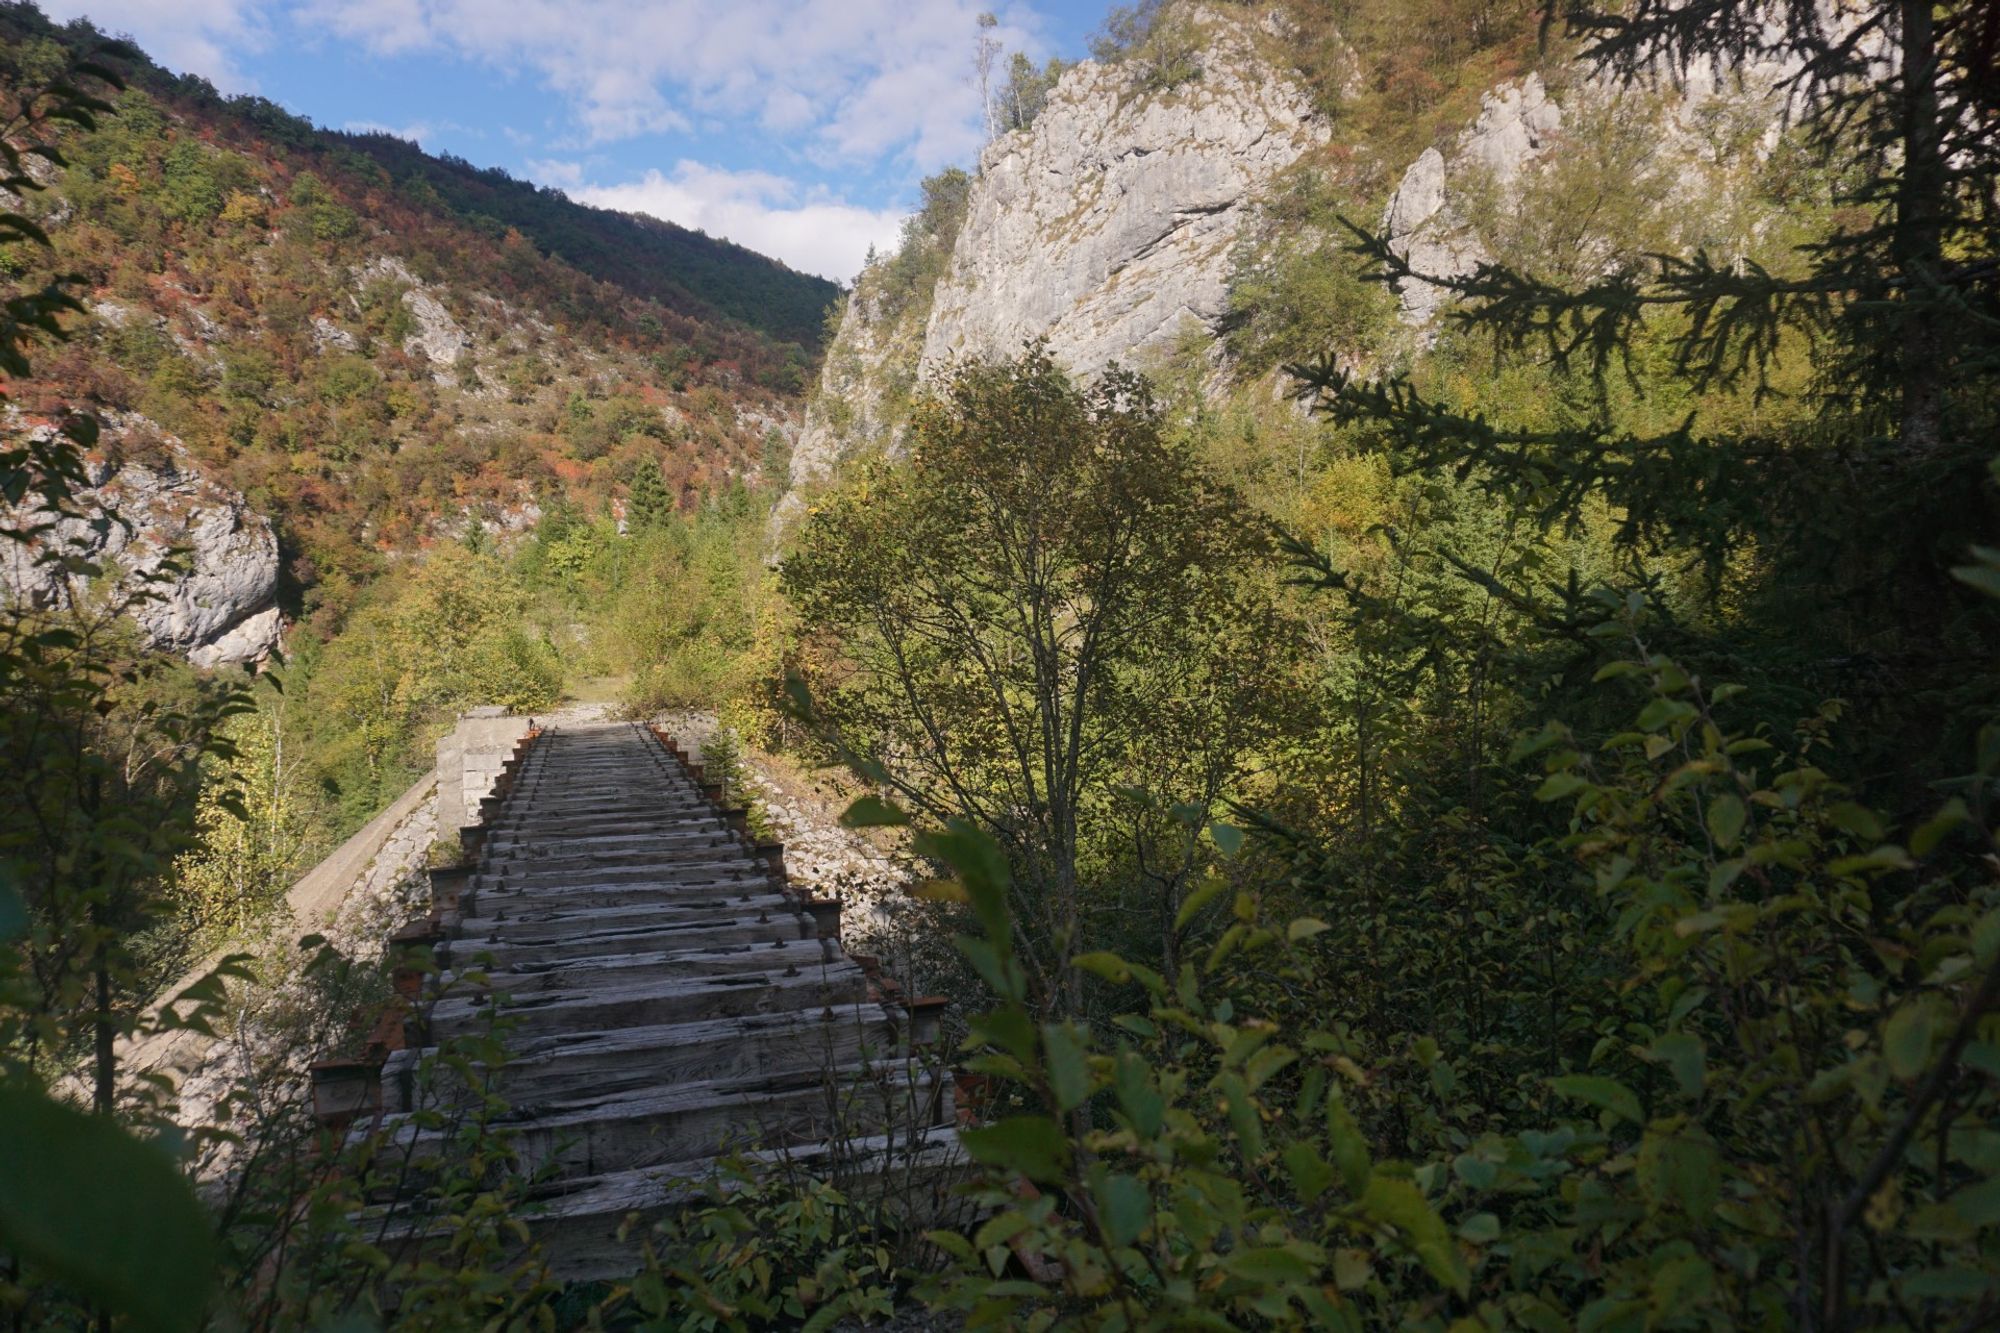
x: 103, y: 1212
x: 1137, y: 1094
x: 940, y: 891
x: 1350, y: 1149
x: 1228, y: 838
x: 1304, y: 928
x: 1681, y: 1284
x: 1726, y: 817
x: 1558, y: 785
x: 1685, y: 1057
x: 1103, y: 964
x: 1680, y: 1167
x: 1604, y: 1093
x: 873, y: 812
x: 1986, y: 937
x: 1399, y: 1204
x: 1480, y: 1228
x: 953, y: 1244
x: 1123, y: 1207
x: 1208, y: 891
x: 1244, y: 1117
x: 1886, y: 857
x: 1985, y: 576
x: 1906, y: 1039
x: 1934, y: 830
x: 981, y: 864
x: 1001, y: 1228
x: 1662, y: 713
x: 1268, y: 1264
x: 1352, y: 1268
x: 1978, y: 1204
x: 1534, y: 742
x: 1010, y: 1029
x: 1858, y: 820
x: 1310, y: 1174
x: 1068, y: 1065
x: 1030, y: 1144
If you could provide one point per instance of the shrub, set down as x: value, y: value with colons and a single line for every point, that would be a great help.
x: 1784, y: 1117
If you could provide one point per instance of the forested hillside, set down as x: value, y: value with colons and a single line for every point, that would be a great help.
x: 382, y: 353
x: 371, y: 344
x: 685, y: 271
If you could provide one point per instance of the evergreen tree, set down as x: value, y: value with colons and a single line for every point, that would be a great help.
x: 650, y: 505
x: 1858, y: 518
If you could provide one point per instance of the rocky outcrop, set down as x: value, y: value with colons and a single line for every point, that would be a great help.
x: 872, y: 354
x: 1108, y: 226
x: 1517, y: 124
x: 1701, y: 126
x: 438, y: 337
x: 220, y: 607
x: 328, y: 336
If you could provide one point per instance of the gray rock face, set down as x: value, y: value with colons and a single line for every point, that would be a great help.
x: 328, y: 336
x: 1108, y: 225
x: 221, y: 609
x: 1421, y: 231
x: 851, y: 409
x: 1694, y: 120
x: 438, y: 338
x: 1517, y: 123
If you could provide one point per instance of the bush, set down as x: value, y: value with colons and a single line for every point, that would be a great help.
x: 762, y: 1251
x: 1783, y: 1114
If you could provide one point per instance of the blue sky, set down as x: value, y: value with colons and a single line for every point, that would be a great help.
x: 798, y: 127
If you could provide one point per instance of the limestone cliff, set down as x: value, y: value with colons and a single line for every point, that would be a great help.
x: 870, y: 364
x: 1107, y: 226
x: 219, y: 607
x: 1133, y: 219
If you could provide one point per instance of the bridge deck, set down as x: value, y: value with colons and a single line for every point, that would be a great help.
x: 664, y: 999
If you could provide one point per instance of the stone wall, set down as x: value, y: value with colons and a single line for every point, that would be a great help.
x: 355, y: 897
x: 469, y: 761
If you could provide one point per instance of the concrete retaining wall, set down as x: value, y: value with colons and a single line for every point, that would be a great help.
x: 337, y: 898
x: 469, y: 761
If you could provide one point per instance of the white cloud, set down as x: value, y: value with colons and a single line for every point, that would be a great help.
x: 556, y: 172
x: 765, y: 212
x: 412, y: 133
x: 852, y: 80
x: 417, y: 131
x: 190, y: 36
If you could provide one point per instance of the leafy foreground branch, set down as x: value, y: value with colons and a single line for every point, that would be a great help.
x: 1788, y: 1121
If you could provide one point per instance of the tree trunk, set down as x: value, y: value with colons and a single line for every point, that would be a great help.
x: 1919, y: 236
x: 105, y: 1035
